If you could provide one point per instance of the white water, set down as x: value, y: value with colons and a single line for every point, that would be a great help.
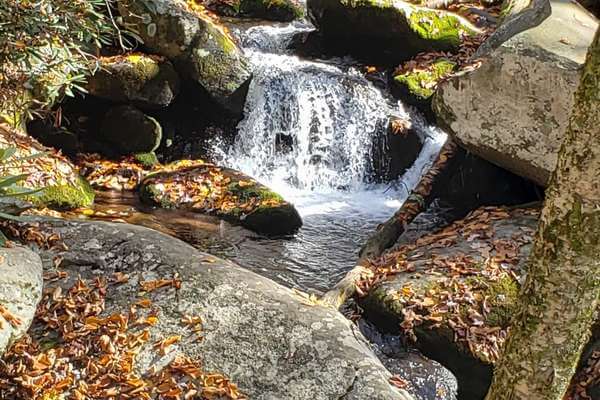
x: 308, y: 133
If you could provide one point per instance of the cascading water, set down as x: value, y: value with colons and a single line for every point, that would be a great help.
x: 308, y: 133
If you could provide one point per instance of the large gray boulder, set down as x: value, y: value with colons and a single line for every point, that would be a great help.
x: 20, y: 292
x: 273, y: 343
x: 396, y: 29
x: 514, y: 109
x: 200, y: 48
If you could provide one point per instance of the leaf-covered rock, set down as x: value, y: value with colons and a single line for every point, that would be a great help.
x: 269, y: 340
x: 200, y: 48
x: 206, y: 188
x: 455, y: 290
x: 385, y: 29
x: 61, y: 185
x: 144, y: 80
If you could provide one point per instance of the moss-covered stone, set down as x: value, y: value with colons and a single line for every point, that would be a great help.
x: 146, y: 159
x: 389, y: 30
x: 144, y: 80
x: 48, y: 171
x: 274, y: 10
x: 199, y: 47
x: 66, y: 196
x: 421, y: 83
x: 224, y: 192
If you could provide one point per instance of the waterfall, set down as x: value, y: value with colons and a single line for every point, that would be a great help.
x: 308, y: 132
x: 309, y: 125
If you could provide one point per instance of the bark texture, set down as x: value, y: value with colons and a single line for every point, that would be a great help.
x: 561, y: 293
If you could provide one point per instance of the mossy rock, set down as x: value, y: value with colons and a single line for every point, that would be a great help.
x: 146, y: 159
x: 62, y: 186
x: 146, y: 81
x: 456, y: 290
x: 421, y: 83
x: 273, y: 10
x: 200, y: 48
x: 206, y: 188
x: 387, y: 30
x: 130, y: 131
x: 67, y: 196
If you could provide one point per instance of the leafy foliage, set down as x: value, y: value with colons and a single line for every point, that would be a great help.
x: 9, y: 184
x: 47, y: 48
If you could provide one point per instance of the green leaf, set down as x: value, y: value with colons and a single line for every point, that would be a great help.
x: 7, y: 153
x: 11, y: 180
x: 10, y: 217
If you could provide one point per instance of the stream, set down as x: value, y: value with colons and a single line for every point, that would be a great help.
x: 309, y: 133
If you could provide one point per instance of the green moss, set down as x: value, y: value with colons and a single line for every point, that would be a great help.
x: 501, y: 294
x: 146, y: 159
x: 254, y: 191
x: 67, y: 196
x: 422, y: 83
x: 150, y: 194
x: 432, y: 25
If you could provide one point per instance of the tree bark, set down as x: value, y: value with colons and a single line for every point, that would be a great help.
x: 561, y: 292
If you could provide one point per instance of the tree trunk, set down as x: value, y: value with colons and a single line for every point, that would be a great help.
x: 561, y: 292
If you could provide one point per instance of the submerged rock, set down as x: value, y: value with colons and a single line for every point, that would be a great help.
x: 273, y: 10
x: 455, y: 290
x: 221, y: 191
x: 270, y: 341
x: 61, y: 185
x: 144, y: 80
x: 513, y: 110
x: 20, y: 292
x: 130, y: 131
x: 200, y: 48
x: 386, y: 29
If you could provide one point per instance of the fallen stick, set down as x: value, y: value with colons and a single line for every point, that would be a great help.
x: 421, y: 196
x: 388, y: 233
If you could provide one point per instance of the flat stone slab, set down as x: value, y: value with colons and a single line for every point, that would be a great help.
x: 272, y: 342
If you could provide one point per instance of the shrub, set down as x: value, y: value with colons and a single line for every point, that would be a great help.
x: 47, y: 47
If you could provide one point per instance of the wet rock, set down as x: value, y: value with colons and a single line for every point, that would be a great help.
x: 143, y: 80
x: 224, y: 192
x: 198, y: 46
x: 456, y: 289
x: 61, y: 185
x: 20, y: 292
x: 426, y: 379
x: 273, y: 10
x: 513, y: 110
x: 387, y: 30
x: 395, y: 151
x: 273, y: 343
x: 130, y: 131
